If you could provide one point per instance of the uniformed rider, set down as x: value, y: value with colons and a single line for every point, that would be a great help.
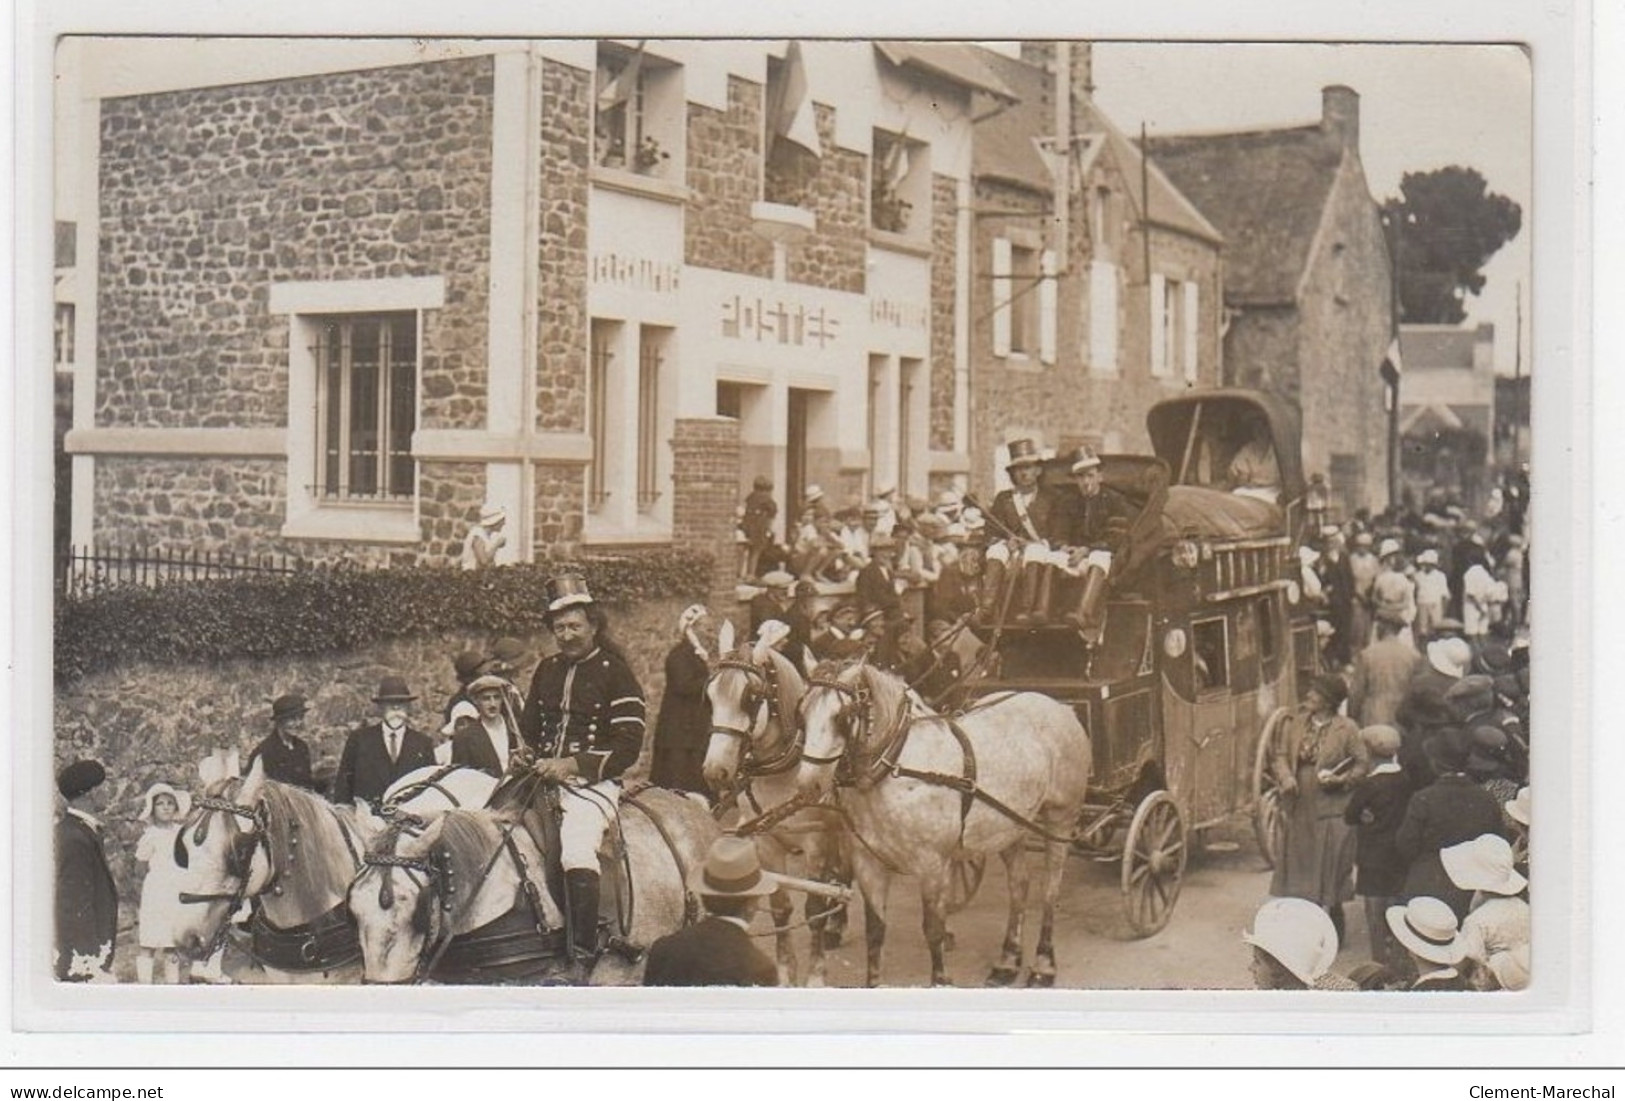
x: 1099, y: 523
x: 584, y: 720
x: 1024, y: 542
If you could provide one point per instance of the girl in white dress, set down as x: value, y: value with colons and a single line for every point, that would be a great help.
x: 163, y: 808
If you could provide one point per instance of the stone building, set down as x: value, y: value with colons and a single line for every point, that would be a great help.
x: 1447, y: 412
x: 336, y: 295
x: 1307, y: 283
x: 1087, y: 310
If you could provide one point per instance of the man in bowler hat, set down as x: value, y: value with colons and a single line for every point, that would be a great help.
x: 378, y: 754
x: 284, y: 754
x: 86, y: 899
x: 717, y: 951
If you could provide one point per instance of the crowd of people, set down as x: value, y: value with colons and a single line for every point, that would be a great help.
x: 1403, y: 778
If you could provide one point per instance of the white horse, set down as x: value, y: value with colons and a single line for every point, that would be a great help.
x: 925, y: 790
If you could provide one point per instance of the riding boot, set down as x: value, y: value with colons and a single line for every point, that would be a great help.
x: 581, y: 887
x: 987, y: 608
x: 1033, y: 596
x: 1086, y: 615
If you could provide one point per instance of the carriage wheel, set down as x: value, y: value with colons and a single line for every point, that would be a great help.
x: 1267, y: 820
x: 1153, y: 863
x: 963, y: 879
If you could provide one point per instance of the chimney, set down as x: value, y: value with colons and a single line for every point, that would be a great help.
x: 1038, y: 53
x: 1083, y: 71
x: 1484, y: 347
x: 1340, y: 114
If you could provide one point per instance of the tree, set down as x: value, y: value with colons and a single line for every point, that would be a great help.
x: 1443, y: 228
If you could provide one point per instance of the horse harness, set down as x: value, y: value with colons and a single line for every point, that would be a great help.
x: 850, y: 772
x: 324, y: 943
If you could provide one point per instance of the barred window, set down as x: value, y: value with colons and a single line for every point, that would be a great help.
x: 367, y: 366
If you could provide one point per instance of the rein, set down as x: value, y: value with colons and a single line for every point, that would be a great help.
x: 790, y: 755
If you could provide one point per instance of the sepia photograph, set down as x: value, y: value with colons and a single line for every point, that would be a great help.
x: 794, y: 512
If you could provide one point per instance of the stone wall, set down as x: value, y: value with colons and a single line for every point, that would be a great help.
x: 148, y: 723
x: 724, y: 175
x: 208, y: 196
x: 559, y: 497
x: 561, y: 370
x: 449, y: 500
x: 835, y: 254
x: 705, y: 490
x: 944, y: 281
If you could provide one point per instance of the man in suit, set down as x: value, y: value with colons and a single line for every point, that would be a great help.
x: 717, y: 951
x: 487, y: 741
x: 86, y: 898
x: 1098, y: 524
x: 877, y: 592
x: 1030, y: 521
x: 378, y: 754
x: 285, y: 755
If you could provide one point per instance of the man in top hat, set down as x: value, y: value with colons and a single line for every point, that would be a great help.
x: 377, y: 754
x: 86, y: 898
x: 1097, y: 529
x: 284, y: 755
x: 485, y: 539
x: 1028, y: 521
x: 584, y: 720
x: 717, y: 950
x: 757, y: 524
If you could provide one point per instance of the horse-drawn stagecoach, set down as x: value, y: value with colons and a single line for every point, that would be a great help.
x: 1204, y: 644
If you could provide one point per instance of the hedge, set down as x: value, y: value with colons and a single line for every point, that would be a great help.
x: 320, y: 611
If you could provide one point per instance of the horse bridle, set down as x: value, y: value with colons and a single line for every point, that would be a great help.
x: 767, y: 678
x: 239, y: 864
x: 859, y: 711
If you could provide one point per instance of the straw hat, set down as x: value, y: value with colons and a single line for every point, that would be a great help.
x: 1429, y: 557
x: 1518, y: 809
x: 183, y: 800
x: 777, y: 579
x: 1483, y: 864
x: 813, y: 493
x: 1084, y: 458
x: 492, y: 515
x: 732, y: 870
x: 1381, y: 739
x: 1428, y: 928
x: 1387, y: 547
x: 1298, y: 934
x: 1450, y: 656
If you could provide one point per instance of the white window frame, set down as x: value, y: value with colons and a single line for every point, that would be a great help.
x: 1160, y: 367
x: 656, y: 109
x: 307, y: 305
x: 1103, y: 318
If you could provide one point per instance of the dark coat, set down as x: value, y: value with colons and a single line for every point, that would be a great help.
x: 1451, y: 810
x: 591, y: 710
x: 954, y: 594
x: 715, y: 952
x: 683, y: 729
x: 471, y: 747
x: 757, y: 525
x: 877, y: 591
x: 286, y: 762
x: 1048, y: 511
x: 1089, y: 524
x: 86, y: 900
x: 365, y: 770
x: 1423, y: 713
x: 763, y: 607
x: 1375, y: 810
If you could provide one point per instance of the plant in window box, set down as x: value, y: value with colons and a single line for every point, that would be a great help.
x: 612, y: 150
x: 890, y: 210
x: 648, y: 157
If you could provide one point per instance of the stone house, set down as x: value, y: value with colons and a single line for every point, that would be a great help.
x: 1447, y: 411
x: 1307, y: 283
x: 335, y: 295
x: 1086, y: 311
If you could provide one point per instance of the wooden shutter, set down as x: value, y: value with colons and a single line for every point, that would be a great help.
x: 1103, y: 317
x: 1001, y: 297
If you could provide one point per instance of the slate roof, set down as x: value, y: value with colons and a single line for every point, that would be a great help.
x: 1266, y: 191
x: 1003, y: 148
x: 947, y: 60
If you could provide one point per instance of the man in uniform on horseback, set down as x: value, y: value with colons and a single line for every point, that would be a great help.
x: 584, y: 720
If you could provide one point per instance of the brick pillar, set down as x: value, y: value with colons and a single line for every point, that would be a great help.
x: 705, y: 491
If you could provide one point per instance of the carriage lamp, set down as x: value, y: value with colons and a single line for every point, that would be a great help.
x: 1173, y: 643
x: 1186, y: 554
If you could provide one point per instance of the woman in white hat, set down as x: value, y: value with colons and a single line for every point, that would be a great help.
x: 1495, y: 933
x: 1294, y: 945
x: 1432, y: 593
x: 162, y: 808
x: 1517, y: 812
x: 683, y: 727
x: 485, y: 539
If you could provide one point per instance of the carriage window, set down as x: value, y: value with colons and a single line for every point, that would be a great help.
x: 1210, y: 653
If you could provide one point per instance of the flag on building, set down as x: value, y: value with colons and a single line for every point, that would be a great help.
x: 625, y: 83
x: 790, y: 106
x: 895, y: 165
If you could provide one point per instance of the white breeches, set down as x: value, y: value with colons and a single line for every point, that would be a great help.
x: 1029, y: 554
x: 588, y: 810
